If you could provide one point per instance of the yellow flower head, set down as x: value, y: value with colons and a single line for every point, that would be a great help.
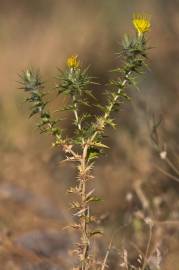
x: 141, y: 23
x: 73, y: 62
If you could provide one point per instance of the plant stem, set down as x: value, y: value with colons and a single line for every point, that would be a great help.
x: 111, y: 105
x: 75, y: 110
x: 84, y: 219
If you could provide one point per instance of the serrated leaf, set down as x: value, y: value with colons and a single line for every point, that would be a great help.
x: 94, y: 199
x: 111, y: 123
x: 93, y: 153
x: 34, y: 111
x: 98, y: 144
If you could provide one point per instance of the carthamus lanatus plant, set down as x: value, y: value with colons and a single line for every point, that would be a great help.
x: 86, y: 143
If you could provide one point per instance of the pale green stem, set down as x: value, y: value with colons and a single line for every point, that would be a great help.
x: 115, y: 98
x: 75, y: 110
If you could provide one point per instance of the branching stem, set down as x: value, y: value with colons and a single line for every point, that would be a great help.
x: 111, y: 105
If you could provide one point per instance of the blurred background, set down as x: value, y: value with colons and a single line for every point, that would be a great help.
x: 135, y: 183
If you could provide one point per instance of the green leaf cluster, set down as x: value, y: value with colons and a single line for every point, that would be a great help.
x: 32, y: 83
x: 76, y: 83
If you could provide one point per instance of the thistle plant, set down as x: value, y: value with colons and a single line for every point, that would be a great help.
x: 86, y: 144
